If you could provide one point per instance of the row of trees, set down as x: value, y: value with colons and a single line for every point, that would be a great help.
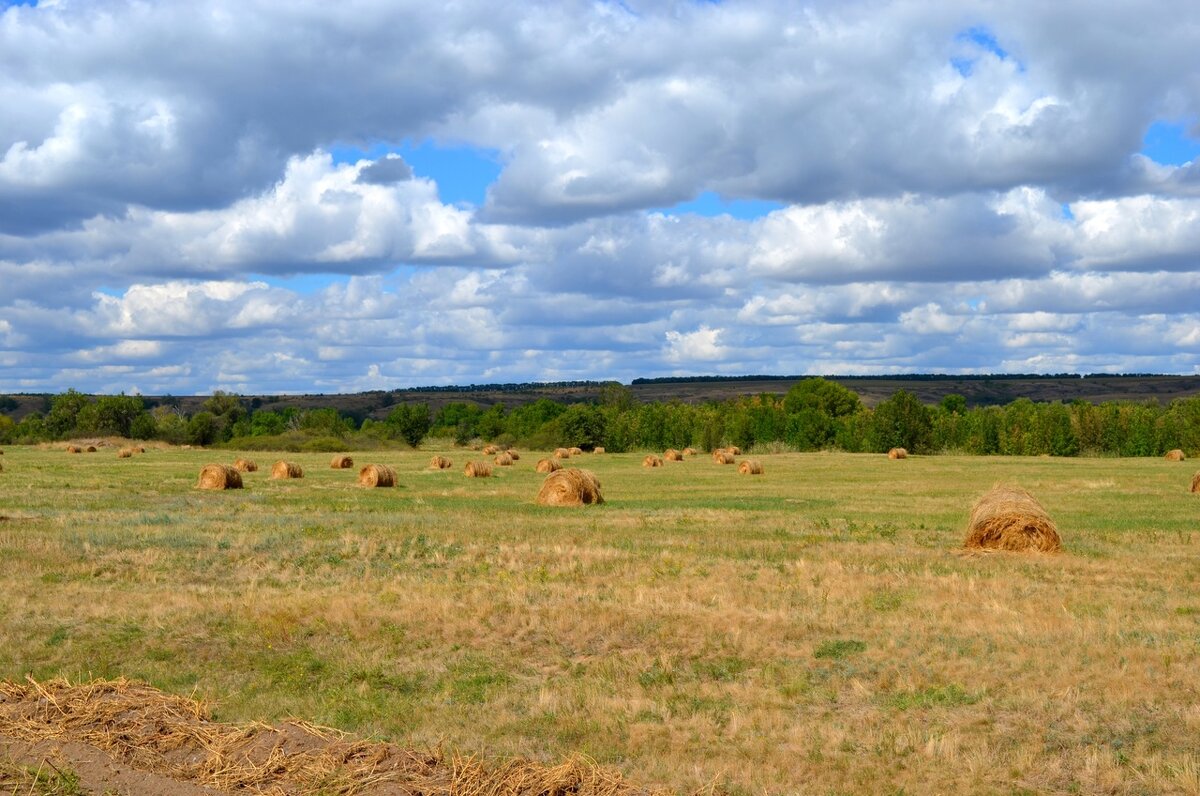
x: 815, y: 414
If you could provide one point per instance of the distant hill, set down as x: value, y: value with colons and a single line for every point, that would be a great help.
x: 930, y: 389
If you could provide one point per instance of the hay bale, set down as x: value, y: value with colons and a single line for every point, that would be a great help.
x: 125, y: 453
x: 439, y: 463
x: 219, y: 476
x: 689, y: 451
x: 547, y: 465
x: 723, y: 457
x: 503, y: 460
x: 478, y: 470
x: 491, y: 450
x: 91, y: 448
x: 576, y: 451
x: 282, y: 469
x: 139, y: 448
x: 598, y: 449
x: 74, y: 449
x: 672, y: 455
x: 376, y: 475
x: 570, y: 486
x: 516, y: 457
x: 245, y: 465
x: 750, y: 467
x: 898, y: 453
x: 1196, y: 482
x: 734, y: 449
x: 1175, y: 456
x: 341, y: 462
x: 562, y: 453
x: 652, y: 461
x: 1009, y: 518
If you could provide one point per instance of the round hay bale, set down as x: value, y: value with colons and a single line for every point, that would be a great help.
x: 672, y: 455
x: 547, y: 465
x: 734, y: 449
x: 562, y: 453
x: 125, y: 453
x: 570, y: 486
x: 503, y: 460
x: 219, y: 476
x: 74, y: 449
x: 652, y: 461
x: 750, y: 467
x: 689, y: 451
x: 491, y: 450
x: 440, y: 463
x: 1196, y: 482
x: 1175, y: 456
x: 282, y: 469
x: 898, y: 453
x: 576, y: 451
x: 341, y: 462
x: 1009, y: 518
x: 376, y: 475
x: 91, y: 448
x: 516, y: 457
x: 723, y: 457
x: 598, y: 449
x: 478, y: 470
x: 245, y: 465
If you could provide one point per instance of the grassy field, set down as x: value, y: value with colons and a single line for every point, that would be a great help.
x: 811, y: 630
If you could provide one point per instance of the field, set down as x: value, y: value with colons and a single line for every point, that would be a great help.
x: 810, y: 630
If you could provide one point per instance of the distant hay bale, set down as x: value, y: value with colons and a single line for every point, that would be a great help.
x: 575, y: 451
x: 723, y: 457
x: 341, y: 462
x: 245, y: 465
x: 139, y: 448
x: 1196, y: 482
x: 672, y: 455
x: 547, y: 465
x: 478, y: 470
x: 91, y: 448
x: 376, y: 475
x: 598, y: 449
x: 689, y: 451
x: 562, y: 453
x: 491, y: 450
x: 440, y: 463
x: 125, y: 453
x: 1009, y: 518
x: 282, y: 469
x: 1175, y: 456
x: 750, y: 467
x: 898, y: 453
x: 74, y: 449
x: 503, y: 460
x: 570, y: 486
x: 652, y: 461
x: 516, y: 457
x: 734, y: 449
x: 219, y: 476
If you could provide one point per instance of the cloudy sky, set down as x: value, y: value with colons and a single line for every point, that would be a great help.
x: 320, y: 196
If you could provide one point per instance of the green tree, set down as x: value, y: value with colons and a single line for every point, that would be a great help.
x: 823, y: 395
x: 64, y: 413
x: 901, y: 421
x: 411, y: 421
x: 202, y: 429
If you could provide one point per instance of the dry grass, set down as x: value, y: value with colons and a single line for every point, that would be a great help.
x: 376, y: 475
x: 570, y: 486
x: 1009, y: 518
x: 285, y: 469
x: 897, y: 453
x: 219, y: 476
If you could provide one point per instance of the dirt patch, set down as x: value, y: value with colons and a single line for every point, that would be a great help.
x: 136, y: 740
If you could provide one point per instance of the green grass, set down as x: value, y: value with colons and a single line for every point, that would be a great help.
x: 808, y: 630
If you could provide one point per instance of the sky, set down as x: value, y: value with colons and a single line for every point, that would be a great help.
x: 266, y: 197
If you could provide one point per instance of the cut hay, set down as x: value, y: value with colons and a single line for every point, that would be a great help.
x: 478, y: 470
x: 74, y: 449
x: 245, y: 465
x: 440, y: 463
x: 341, y: 462
x: 282, y: 469
x: 490, y: 450
x: 503, y: 460
x: 1009, y: 518
x: 576, y: 451
x: 562, y: 453
x: 898, y: 453
x: 219, y: 476
x: 689, y: 451
x: 734, y: 449
x: 516, y: 457
x: 376, y: 475
x: 125, y: 453
x: 1196, y: 482
x: 672, y: 455
x: 547, y: 465
x: 570, y: 486
x: 723, y: 457
x: 1175, y: 456
x: 652, y: 461
x: 750, y: 467
x: 598, y: 449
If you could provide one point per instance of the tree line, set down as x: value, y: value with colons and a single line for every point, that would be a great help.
x: 815, y: 414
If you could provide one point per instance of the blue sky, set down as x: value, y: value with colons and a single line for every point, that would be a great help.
x: 301, y: 198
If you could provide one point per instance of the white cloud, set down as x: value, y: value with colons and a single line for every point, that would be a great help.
x: 702, y: 345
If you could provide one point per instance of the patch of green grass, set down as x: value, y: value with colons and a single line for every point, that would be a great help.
x: 936, y: 696
x: 839, y: 648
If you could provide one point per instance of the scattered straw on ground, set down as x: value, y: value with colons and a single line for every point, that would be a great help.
x: 1009, y: 518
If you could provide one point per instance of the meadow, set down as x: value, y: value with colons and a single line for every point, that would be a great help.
x: 811, y: 630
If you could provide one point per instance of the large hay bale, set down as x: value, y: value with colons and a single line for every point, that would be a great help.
x: 734, y: 449
x: 723, y: 457
x: 491, y: 450
x: 652, y: 461
x: 1196, y: 482
x: 376, y: 475
x: 74, y: 449
x: 750, y: 467
x: 689, y: 451
x: 219, y: 476
x: 125, y: 453
x: 341, y: 462
x: 478, y: 470
x: 576, y: 451
x: 516, y: 457
x: 898, y: 453
x: 440, y: 463
x: 562, y: 453
x: 598, y: 449
x: 547, y: 465
x: 1175, y: 456
x: 672, y: 455
x: 1009, y: 518
x: 245, y: 465
x: 282, y: 469
x: 570, y: 486
x: 503, y: 460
